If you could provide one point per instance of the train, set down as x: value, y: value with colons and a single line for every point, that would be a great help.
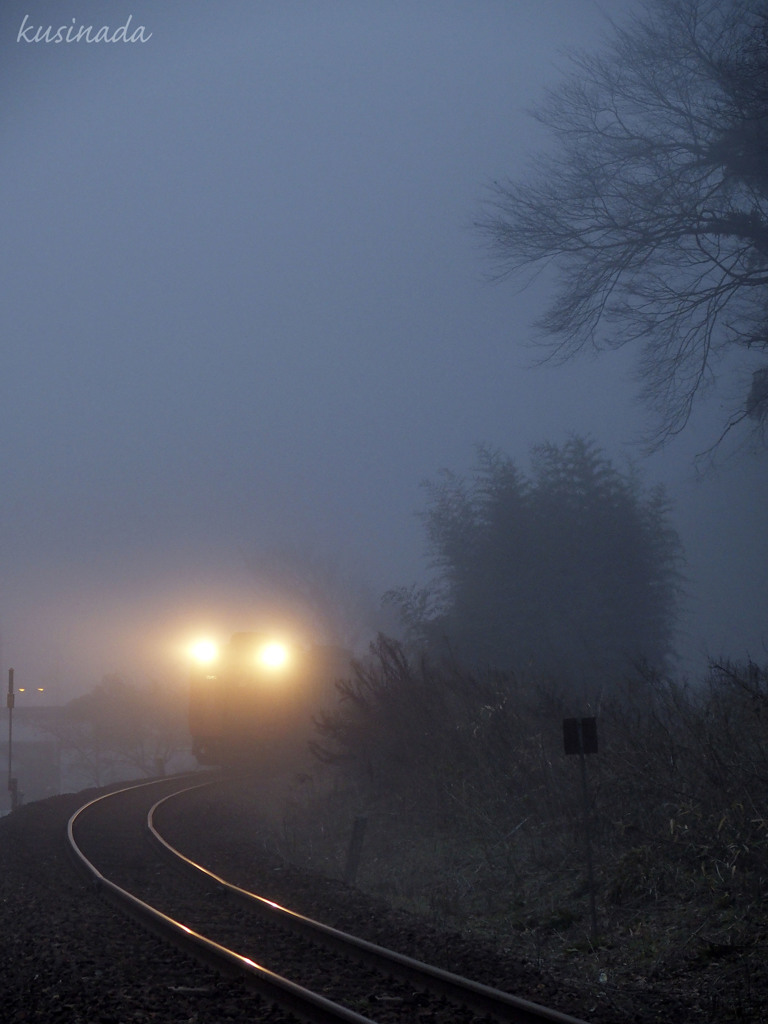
x: 252, y: 700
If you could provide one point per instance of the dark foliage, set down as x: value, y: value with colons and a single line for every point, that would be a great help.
x: 465, y: 777
x: 573, y: 572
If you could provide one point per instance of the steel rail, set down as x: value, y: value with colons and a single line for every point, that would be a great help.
x: 481, y: 998
x: 308, y: 1005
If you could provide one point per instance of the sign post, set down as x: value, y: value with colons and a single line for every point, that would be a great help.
x: 580, y: 737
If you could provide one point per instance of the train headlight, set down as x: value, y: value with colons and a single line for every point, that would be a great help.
x: 204, y: 652
x: 273, y: 656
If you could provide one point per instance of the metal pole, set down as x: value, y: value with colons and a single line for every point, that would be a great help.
x: 11, y: 700
x: 588, y: 838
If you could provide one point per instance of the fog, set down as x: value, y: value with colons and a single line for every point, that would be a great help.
x: 245, y: 307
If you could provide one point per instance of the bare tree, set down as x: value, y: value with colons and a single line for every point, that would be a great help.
x: 121, y: 728
x: 319, y: 590
x: 652, y: 202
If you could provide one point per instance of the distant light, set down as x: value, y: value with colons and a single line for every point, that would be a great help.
x: 22, y: 689
x: 41, y: 689
x: 273, y: 656
x: 204, y: 651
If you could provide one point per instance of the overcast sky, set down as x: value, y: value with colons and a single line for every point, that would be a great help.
x: 245, y: 307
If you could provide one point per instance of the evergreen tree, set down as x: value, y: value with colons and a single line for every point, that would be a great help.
x: 573, y: 572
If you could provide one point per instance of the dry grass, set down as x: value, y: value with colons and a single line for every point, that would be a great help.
x: 476, y: 823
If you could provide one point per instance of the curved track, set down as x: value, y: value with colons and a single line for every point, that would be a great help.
x: 240, y: 931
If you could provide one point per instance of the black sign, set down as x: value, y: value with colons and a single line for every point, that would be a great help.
x: 580, y: 735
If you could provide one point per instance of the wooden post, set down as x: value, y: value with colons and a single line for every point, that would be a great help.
x: 355, y: 849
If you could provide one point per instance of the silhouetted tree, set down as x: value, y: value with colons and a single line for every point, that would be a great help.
x: 652, y: 202
x: 120, y: 728
x: 573, y: 572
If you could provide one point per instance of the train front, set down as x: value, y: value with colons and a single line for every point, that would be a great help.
x: 252, y: 700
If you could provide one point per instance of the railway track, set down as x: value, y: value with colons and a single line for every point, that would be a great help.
x: 311, y: 970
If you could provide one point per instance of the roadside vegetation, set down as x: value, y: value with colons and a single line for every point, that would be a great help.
x: 475, y: 819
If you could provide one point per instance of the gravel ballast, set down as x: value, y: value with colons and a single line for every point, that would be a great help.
x: 69, y: 956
